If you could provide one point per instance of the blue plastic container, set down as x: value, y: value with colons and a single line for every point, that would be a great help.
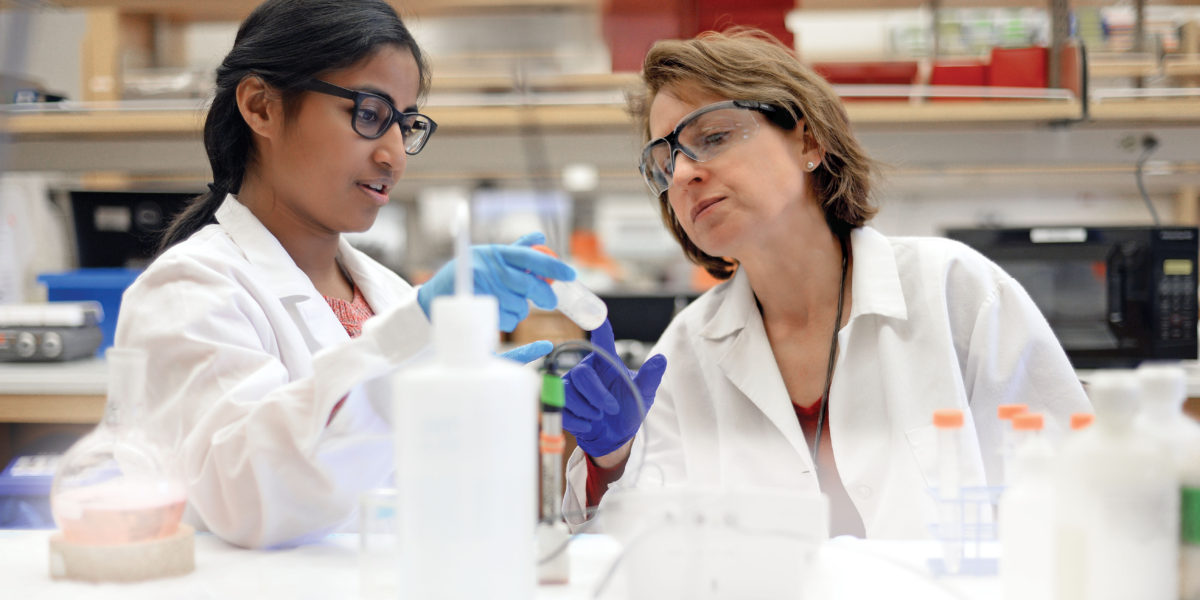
x: 104, y: 285
x: 25, y: 499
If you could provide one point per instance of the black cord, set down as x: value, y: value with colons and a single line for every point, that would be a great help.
x: 833, y: 346
x: 622, y: 370
x: 1149, y: 145
x: 550, y: 366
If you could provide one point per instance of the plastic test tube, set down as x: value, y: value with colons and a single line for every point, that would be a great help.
x: 949, y: 422
x: 1026, y: 426
x: 1006, y: 412
x: 576, y: 302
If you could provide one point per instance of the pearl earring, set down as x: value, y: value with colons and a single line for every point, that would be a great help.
x: 811, y: 165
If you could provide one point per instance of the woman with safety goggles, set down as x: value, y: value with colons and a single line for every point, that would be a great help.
x: 820, y: 361
x: 268, y: 334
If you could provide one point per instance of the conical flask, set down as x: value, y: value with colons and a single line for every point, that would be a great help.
x: 115, y: 485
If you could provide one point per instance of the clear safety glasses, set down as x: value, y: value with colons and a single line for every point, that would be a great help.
x: 701, y: 136
x: 373, y: 115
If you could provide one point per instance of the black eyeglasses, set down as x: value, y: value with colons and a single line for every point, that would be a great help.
x: 703, y: 134
x: 373, y: 115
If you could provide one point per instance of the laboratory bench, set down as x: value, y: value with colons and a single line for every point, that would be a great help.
x: 844, y: 568
x: 73, y: 392
x: 40, y: 399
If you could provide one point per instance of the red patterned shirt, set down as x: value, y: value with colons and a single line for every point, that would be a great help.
x: 352, y: 314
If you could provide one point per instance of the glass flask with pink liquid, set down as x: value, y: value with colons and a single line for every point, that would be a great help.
x: 116, y: 485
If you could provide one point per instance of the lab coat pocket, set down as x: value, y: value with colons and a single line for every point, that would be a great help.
x: 922, y: 440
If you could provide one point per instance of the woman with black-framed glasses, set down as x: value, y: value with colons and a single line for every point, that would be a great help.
x: 819, y: 362
x: 269, y: 335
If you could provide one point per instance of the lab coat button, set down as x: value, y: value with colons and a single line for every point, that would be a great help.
x: 864, y: 491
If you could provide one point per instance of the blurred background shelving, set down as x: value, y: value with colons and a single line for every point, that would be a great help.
x: 528, y: 91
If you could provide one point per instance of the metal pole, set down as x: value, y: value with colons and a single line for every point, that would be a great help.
x: 1060, y: 30
x: 15, y: 36
x: 935, y: 10
x: 1139, y: 26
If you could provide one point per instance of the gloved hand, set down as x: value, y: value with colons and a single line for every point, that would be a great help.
x: 529, y: 352
x: 599, y: 408
x: 513, y: 274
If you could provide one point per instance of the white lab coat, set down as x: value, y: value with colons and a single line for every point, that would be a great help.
x: 246, y: 362
x: 933, y: 325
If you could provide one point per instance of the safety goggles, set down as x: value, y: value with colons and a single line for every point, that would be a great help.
x: 373, y: 115
x: 701, y: 136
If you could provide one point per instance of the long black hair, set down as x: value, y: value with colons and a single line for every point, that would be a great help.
x: 284, y: 42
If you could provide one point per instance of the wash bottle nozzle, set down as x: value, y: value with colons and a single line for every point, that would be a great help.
x: 575, y: 301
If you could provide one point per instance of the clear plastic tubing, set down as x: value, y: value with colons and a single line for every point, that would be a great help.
x: 576, y: 302
x: 949, y: 423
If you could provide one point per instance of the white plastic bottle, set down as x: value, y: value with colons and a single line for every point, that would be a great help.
x: 1164, y: 388
x: 1117, y: 509
x: 575, y: 301
x: 466, y: 468
x: 1026, y: 524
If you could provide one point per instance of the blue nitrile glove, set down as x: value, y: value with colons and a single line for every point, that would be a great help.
x: 513, y: 274
x: 529, y: 352
x: 599, y: 408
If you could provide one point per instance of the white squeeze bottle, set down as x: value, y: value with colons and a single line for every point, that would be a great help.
x: 1027, y: 516
x: 1164, y: 388
x: 575, y: 301
x: 466, y: 457
x: 1117, y: 508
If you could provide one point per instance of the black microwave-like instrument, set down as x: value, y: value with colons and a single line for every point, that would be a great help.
x: 1114, y: 296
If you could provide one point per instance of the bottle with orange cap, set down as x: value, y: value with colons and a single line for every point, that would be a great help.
x: 949, y: 424
x: 1027, y: 515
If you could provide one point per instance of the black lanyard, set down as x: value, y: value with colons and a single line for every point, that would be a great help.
x: 833, y: 346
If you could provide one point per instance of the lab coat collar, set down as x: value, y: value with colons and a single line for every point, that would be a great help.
x: 875, y: 285
x: 376, y: 291
x: 280, y: 274
x: 737, y: 336
x: 263, y: 250
x: 737, y: 339
x: 875, y: 288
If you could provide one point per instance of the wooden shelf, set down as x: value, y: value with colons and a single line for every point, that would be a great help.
x: 1119, y: 67
x: 1182, y: 67
x: 37, y: 408
x: 959, y: 112
x: 236, y: 10
x: 182, y: 122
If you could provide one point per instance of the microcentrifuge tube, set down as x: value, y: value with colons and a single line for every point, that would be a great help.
x: 576, y: 302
